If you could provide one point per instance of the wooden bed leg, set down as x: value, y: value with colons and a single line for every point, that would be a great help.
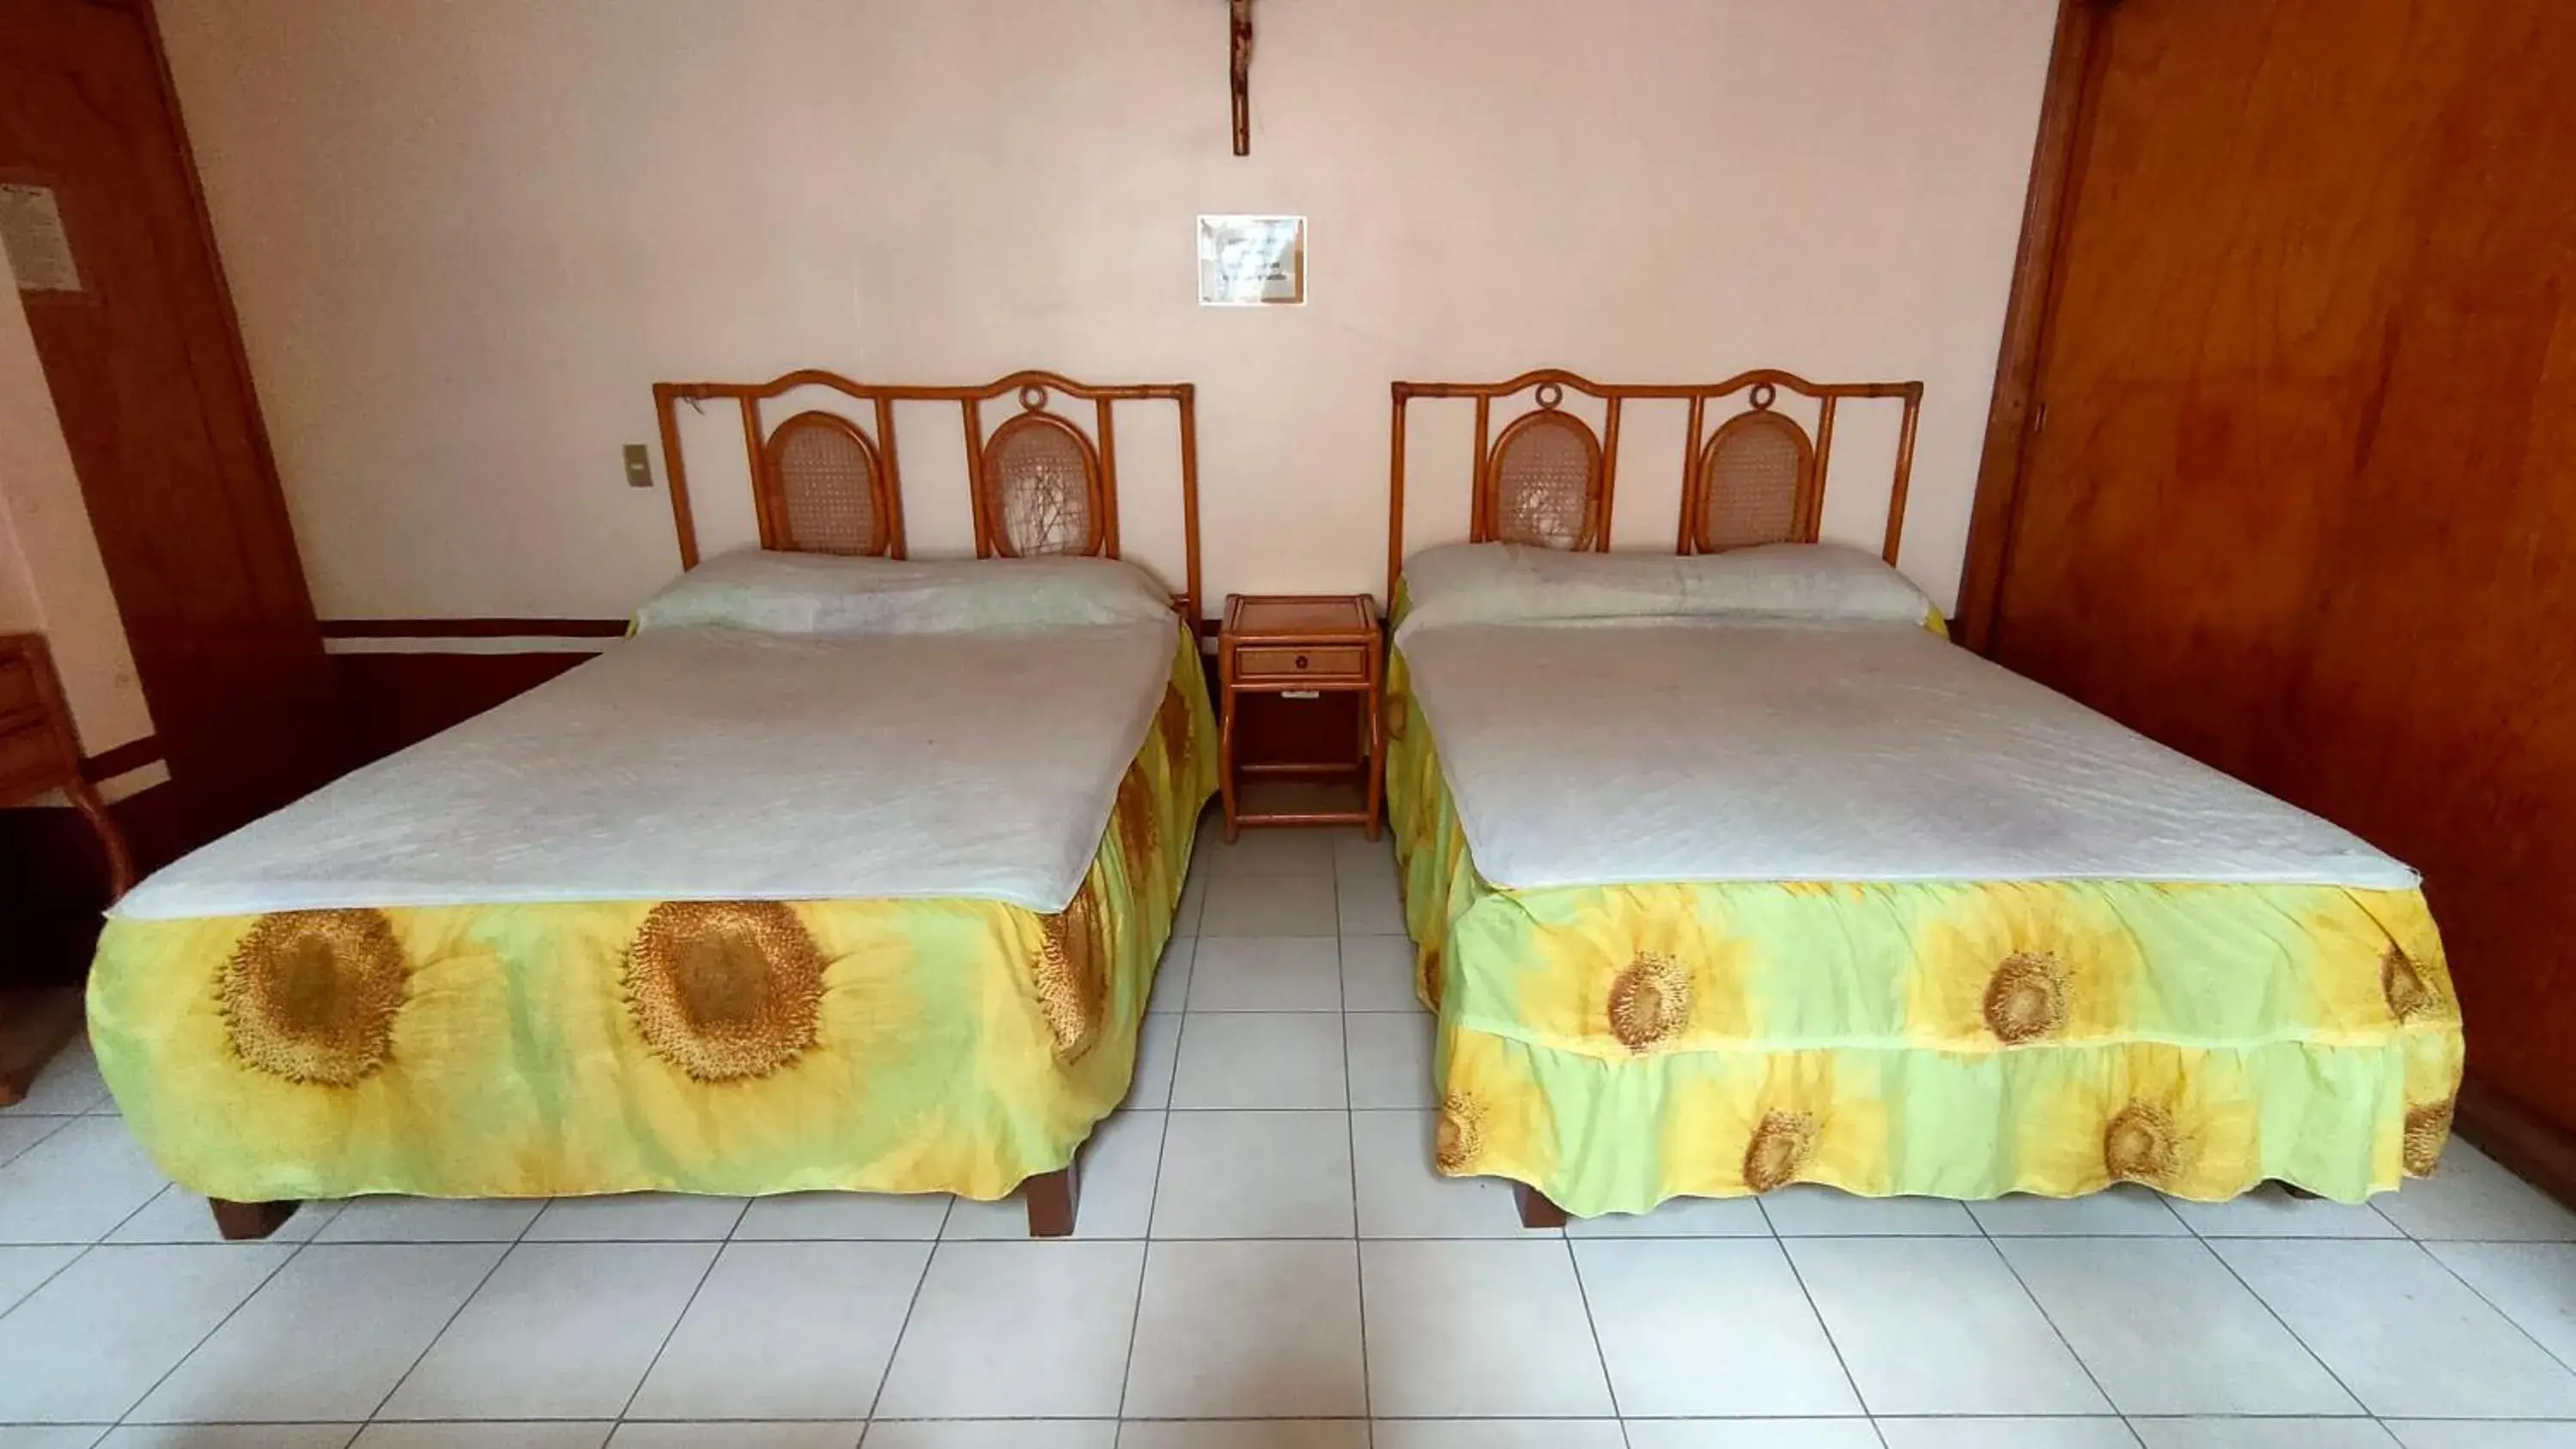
x: 1052, y: 1198
x: 1536, y: 1210
x: 243, y: 1221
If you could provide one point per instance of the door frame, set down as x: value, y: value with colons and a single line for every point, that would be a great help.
x: 247, y: 464
x: 2066, y: 111
x: 236, y: 355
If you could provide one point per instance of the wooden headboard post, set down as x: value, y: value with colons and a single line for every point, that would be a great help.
x: 1546, y: 479
x: 1039, y: 483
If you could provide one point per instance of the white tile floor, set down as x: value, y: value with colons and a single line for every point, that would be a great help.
x: 1266, y: 1261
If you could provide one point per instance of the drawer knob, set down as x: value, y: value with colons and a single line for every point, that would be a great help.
x: 1301, y: 661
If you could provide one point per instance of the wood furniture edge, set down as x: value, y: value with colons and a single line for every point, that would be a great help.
x: 122, y: 759
x: 474, y: 628
x: 238, y: 1222
x: 54, y: 716
x: 1054, y: 1199
x: 1538, y: 1211
x: 59, y: 765
x: 1369, y: 639
x: 2065, y: 120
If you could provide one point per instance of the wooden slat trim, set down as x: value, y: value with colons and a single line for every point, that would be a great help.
x: 122, y: 759
x: 2065, y: 118
x: 474, y: 628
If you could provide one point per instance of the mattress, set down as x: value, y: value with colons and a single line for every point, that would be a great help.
x: 704, y: 762
x: 1615, y: 1046
x: 1782, y: 749
x: 738, y: 1045
x: 1729, y: 873
x: 839, y: 874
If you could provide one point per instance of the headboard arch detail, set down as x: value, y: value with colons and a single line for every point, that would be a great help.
x: 1756, y: 482
x: 1541, y: 483
x: 1039, y: 482
x: 1039, y: 488
x: 1757, y: 476
x: 823, y: 487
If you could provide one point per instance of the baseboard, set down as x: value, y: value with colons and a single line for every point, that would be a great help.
x: 2529, y: 1145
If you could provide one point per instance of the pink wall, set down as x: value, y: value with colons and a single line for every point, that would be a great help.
x: 466, y: 235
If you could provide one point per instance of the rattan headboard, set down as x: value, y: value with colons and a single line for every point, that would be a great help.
x: 1548, y: 479
x: 1042, y: 483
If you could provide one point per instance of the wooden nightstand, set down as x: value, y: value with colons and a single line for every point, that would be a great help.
x: 39, y: 752
x: 1302, y: 644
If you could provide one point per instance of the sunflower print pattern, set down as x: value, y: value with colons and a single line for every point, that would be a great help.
x: 725, y: 990
x: 1615, y: 1047
x: 1139, y: 827
x: 311, y: 996
x: 724, y: 1047
x: 1071, y: 976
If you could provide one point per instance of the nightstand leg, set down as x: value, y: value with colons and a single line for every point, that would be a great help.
x: 1225, y: 769
x: 1376, y: 762
x: 111, y: 841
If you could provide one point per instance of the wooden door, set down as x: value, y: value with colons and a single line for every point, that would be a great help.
x: 2301, y: 496
x: 156, y: 403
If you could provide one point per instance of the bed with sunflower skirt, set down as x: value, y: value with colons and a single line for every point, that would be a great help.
x: 1728, y: 873
x: 837, y: 874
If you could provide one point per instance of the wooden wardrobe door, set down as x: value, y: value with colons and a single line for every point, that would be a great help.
x: 156, y: 404
x: 2304, y: 499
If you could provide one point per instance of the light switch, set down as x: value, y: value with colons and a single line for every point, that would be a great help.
x: 639, y: 466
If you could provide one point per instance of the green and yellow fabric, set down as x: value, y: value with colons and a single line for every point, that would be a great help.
x: 1618, y: 1046
x: 733, y: 1047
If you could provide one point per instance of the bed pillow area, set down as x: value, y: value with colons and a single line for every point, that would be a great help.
x: 1497, y: 583
x: 800, y: 593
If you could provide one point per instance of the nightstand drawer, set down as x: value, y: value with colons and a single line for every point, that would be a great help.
x: 1328, y: 661
x: 29, y: 760
x: 17, y: 687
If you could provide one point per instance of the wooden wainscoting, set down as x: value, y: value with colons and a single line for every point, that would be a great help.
x: 402, y: 680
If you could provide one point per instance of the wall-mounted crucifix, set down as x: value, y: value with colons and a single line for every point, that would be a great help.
x: 1242, y: 17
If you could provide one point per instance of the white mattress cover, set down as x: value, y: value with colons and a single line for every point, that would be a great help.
x: 715, y: 763
x: 1751, y: 749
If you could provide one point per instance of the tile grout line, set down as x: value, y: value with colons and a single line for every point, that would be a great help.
x: 937, y: 1240
x: 2304, y: 1346
x: 2497, y: 1308
x: 1610, y: 1386
x: 1153, y: 1203
x: 208, y: 1336
x: 59, y: 1120
x: 1849, y: 1380
x: 80, y: 1251
x: 2050, y: 1319
x: 462, y: 1304
x: 1351, y: 1137
x: 674, y: 1330
x: 138, y: 1210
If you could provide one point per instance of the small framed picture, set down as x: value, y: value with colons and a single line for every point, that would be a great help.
x: 1252, y: 261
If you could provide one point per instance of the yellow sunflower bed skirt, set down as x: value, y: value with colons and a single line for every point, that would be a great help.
x: 690, y: 1046
x: 1617, y: 1046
